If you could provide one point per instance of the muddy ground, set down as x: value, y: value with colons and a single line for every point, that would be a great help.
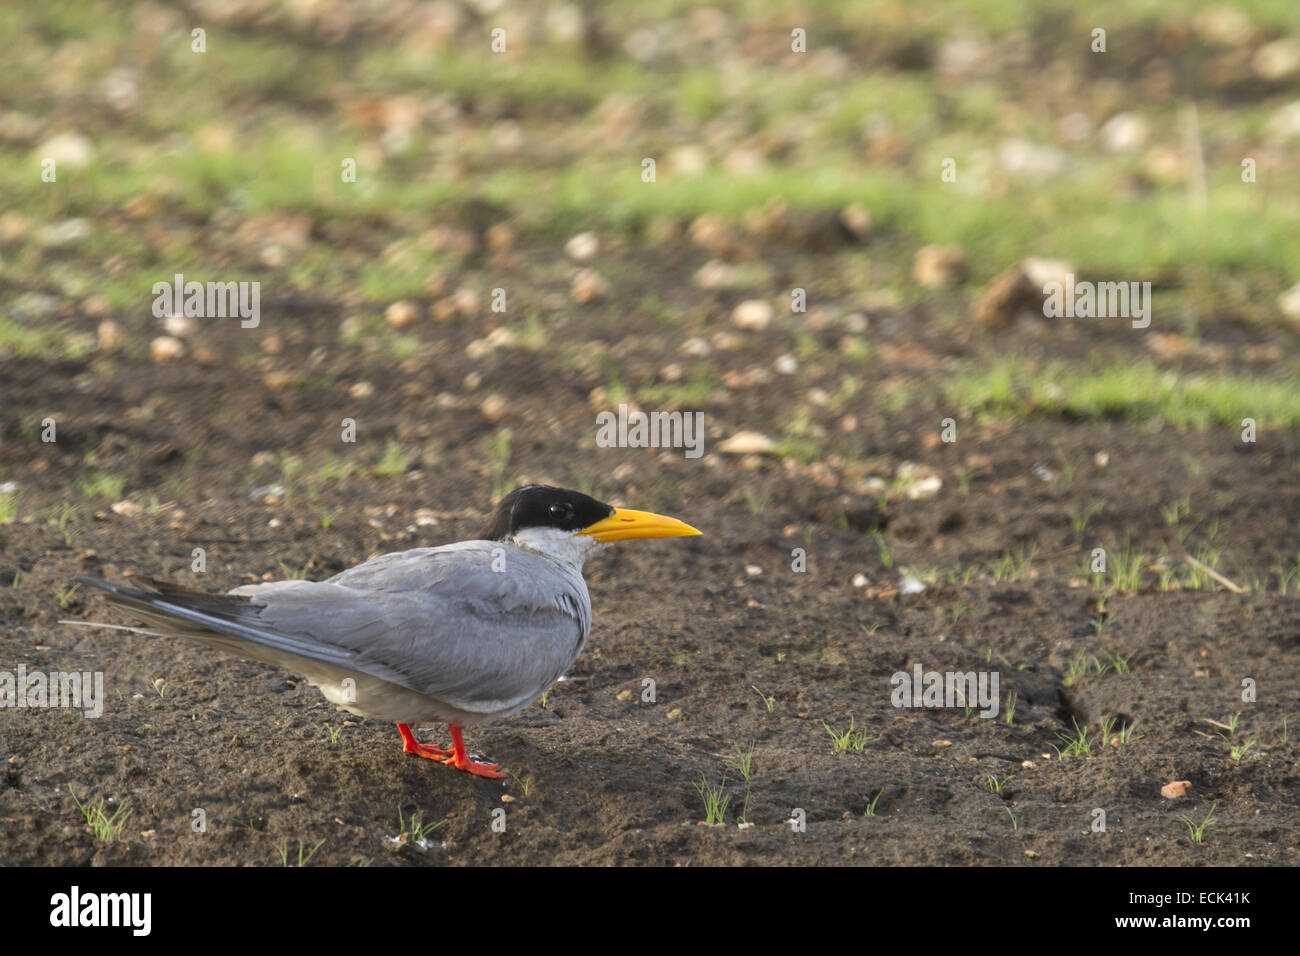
x: 598, y: 775
x: 858, y: 542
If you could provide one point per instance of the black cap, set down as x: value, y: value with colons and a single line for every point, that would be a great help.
x: 541, y: 506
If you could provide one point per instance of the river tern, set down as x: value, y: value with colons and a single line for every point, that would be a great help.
x: 459, y: 634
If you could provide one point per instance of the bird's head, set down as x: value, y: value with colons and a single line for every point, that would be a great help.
x: 569, y: 525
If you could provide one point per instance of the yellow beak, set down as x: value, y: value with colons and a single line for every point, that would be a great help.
x: 625, y: 524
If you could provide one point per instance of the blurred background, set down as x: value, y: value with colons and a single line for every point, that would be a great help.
x: 475, y: 224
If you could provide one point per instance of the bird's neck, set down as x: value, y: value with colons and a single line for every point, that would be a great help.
x: 562, y: 546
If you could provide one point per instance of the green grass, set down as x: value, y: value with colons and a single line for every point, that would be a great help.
x: 1078, y: 743
x: 1199, y: 578
x: 8, y: 507
x: 1176, y: 511
x: 716, y: 799
x: 32, y: 342
x: 1014, y: 566
x: 883, y: 549
x: 996, y: 785
x: 103, y: 485
x: 1080, y: 517
x: 743, y: 763
x: 1137, y: 391
x: 418, y: 831
x: 1126, y: 570
x: 1197, y: 830
x: 394, y: 462
x: 304, y: 855
x: 68, y: 520
x: 850, y: 739
x: 106, y: 827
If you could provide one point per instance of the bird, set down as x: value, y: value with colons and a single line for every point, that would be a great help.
x: 459, y: 634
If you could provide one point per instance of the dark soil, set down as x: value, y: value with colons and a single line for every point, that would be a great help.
x: 598, y: 775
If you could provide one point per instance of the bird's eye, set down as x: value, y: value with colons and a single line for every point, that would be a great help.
x: 562, y: 511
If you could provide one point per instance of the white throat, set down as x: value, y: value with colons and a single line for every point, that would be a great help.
x: 567, y: 547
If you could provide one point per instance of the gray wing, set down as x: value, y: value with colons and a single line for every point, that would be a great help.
x: 440, y: 621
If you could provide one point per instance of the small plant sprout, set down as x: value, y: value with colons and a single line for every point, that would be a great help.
x: 768, y: 702
x: 160, y: 686
x: 1127, y: 570
x: 1197, y: 830
x: 1077, y: 744
x: 107, y: 829
x: 1015, y: 824
x: 394, y: 461
x: 526, y: 784
x: 335, y: 732
x: 883, y: 549
x: 64, y: 596
x: 1102, y: 617
x: 415, y: 830
x: 1203, y: 574
x: 304, y: 855
x: 1116, y: 663
x: 295, y: 574
x: 871, y: 807
x: 716, y: 799
x: 1237, y: 751
x: 1079, y: 517
x: 1176, y: 512
x: 1288, y: 576
x: 102, y: 485
x: 965, y: 704
x: 1112, y: 732
x: 67, y: 519
x: 850, y: 739
x: 756, y: 501
x: 996, y: 785
x: 1075, y: 668
x: 1014, y: 566
x: 743, y: 763
x: 1009, y: 713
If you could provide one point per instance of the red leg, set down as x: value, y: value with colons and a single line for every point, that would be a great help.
x: 412, y: 746
x: 460, y: 759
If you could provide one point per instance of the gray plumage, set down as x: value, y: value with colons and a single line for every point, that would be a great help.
x: 462, y: 633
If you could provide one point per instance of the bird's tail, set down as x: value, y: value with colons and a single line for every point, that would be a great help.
x: 234, y: 624
x: 177, y: 610
x: 224, y: 622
